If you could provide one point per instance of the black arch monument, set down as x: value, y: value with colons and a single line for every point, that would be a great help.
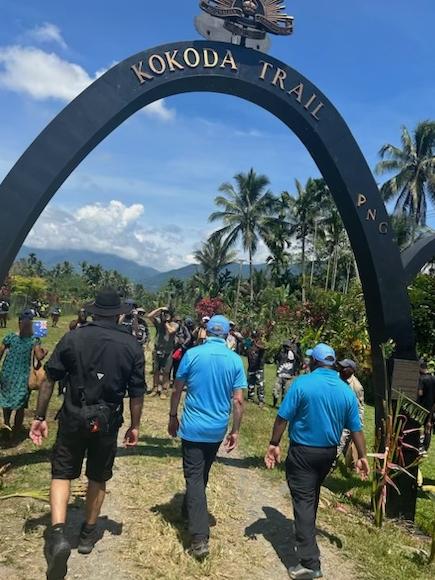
x: 203, y: 66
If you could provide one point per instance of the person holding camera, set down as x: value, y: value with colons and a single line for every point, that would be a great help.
x: 103, y: 362
x: 166, y: 331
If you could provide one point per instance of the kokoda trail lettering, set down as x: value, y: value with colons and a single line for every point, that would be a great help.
x: 191, y: 58
x: 174, y: 60
x: 179, y: 60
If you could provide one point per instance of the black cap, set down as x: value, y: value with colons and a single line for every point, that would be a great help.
x: 26, y: 315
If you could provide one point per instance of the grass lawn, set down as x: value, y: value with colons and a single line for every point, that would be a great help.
x: 391, y: 552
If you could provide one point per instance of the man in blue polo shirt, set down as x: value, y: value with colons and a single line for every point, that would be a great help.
x: 317, y: 407
x: 215, y: 379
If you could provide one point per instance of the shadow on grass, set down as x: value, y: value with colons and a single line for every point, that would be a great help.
x: 75, y: 518
x: 252, y: 462
x: 347, y: 482
x: 152, y: 447
x: 278, y: 530
x: 28, y: 458
x: 174, y: 514
x: 11, y: 440
x: 242, y: 463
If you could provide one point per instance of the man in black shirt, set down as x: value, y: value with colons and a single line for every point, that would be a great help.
x: 256, y: 356
x: 103, y: 362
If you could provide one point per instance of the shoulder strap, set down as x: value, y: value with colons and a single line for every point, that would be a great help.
x: 81, y: 387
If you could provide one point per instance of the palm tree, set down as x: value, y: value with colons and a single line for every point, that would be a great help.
x: 414, y: 165
x: 247, y: 214
x: 405, y: 232
x: 303, y: 210
x: 277, y: 241
x: 213, y: 257
x: 334, y: 234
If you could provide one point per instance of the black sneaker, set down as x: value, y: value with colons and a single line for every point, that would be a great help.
x: 88, y: 539
x: 299, y: 572
x: 59, y: 552
x: 199, y: 549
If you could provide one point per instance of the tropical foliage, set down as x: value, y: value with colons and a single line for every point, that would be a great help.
x: 308, y: 285
x: 413, y: 165
x: 246, y: 212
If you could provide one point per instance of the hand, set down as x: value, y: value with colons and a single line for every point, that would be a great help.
x: 273, y: 456
x: 131, y: 438
x: 38, y: 432
x: 231, y: 442
x: 363, y: 468
x: 173, y: 426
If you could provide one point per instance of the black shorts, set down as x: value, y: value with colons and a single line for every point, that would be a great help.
x: 71, y: 448
x: 162, y: 362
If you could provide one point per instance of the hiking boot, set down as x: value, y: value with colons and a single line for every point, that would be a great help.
x: 59, y: 552
x: 199, y: 549
x: 88, y: 539
x: 299, y: 572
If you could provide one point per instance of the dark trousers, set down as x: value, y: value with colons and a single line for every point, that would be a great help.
x: 306, y: 469
x: 197, y: 461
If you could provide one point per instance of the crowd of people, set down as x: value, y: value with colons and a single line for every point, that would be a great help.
x: 102, y: 360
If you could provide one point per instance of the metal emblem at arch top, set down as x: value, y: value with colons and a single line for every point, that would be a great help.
x: 203, y: 66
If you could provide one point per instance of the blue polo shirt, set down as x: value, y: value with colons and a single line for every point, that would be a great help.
x: 212, y: 372
x: 318, y: 407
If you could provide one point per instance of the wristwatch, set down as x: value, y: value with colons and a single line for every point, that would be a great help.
x: 40, y: 418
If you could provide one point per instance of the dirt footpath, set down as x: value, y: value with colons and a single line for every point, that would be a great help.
x: 142, y: 533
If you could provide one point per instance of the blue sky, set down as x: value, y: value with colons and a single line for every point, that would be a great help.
x: 146, y: 192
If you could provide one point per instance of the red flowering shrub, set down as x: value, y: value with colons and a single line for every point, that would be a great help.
x: 283, y: 312
x: 209, y: 307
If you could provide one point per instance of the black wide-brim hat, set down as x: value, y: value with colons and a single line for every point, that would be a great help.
x: 108, y: 303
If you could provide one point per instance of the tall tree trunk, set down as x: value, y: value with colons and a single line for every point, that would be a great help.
x: 355, y: 265
x: 251, y: 275
x: 328, y: 270
x: 334, y: 270
x: 346, y: 288
x: 303, y: 270
x: 239, y: 282
x: 314, y: 260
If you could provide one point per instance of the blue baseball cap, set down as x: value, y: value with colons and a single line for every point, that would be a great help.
x: 322, y: 353
x: 218, y: 326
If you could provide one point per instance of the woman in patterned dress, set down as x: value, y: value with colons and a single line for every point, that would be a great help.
x: 14, y: 375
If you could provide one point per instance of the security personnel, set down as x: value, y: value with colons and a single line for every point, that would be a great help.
x: 318, y: 407
x: 103, y: 361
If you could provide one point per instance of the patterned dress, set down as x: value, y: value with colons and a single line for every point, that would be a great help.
x: 14, y: 375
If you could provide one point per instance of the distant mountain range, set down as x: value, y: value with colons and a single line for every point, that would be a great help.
x: 127, y: 268
x: 151, y: 278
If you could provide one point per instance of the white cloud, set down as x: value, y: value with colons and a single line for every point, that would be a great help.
x: 47, y: 32
x: 45, y: 75
x: 41, y: 75
x: 160, y: 110
x: 112, y: 228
